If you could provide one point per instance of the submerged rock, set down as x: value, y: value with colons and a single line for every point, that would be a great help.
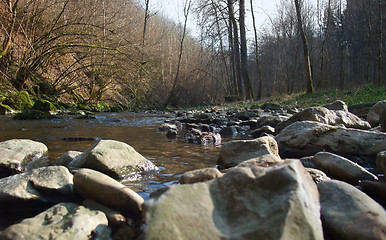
x: 62, y: 221
x: 17, y: 153
x: 246, y: 203
x: 39, y: 186
x: 97, y: 186
x: 111, y: 157
x: 348, y: 213
x: 307, y: 138
x: 341, y: 168
x: 237, y: 151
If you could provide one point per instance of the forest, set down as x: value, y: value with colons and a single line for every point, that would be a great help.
x: 122, y: 52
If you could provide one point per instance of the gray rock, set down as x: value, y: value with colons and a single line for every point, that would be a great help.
x: 382, y: 121
x: 348, y: 213
x: 43, y: 185
x: 165, y: 127
x: 229, y: 131
x: 267, y: 160
x: 381, y: 162
x: 337, y: 105
x: 238, y: 151
x: 307, y: 138
x: 375, y: 112
x: 361, y: 110
x: 17, y: 153
x: 67, y: 157
x: 110, y: 157
x: 62, y: 221
x: 97, y: 186
x: 200, y: 175
x: 246, y: 203
x: 326, y: 116
x: 341, y: 168
x: 317, y: 175
x: 263, y: 130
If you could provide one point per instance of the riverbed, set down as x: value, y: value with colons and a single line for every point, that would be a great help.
x: 73, y: 132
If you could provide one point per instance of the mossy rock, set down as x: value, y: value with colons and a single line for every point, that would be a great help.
x: 32, y: 115
x: 82, y: 106
x: 4, y: 109
x: 44, y: 105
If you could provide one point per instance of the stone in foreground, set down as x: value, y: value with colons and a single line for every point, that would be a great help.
x: 97, y: 186
x: 43, y: 185
x: 16, y: 153
x: 111, y: 157
x: 246, y: 203
x: 348, y: 213
x: 238, y: 151
x: 62, y: 221
x: 341, y: 168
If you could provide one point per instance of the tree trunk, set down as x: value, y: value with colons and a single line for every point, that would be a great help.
x: 260, y: 75
x: 187, y: 6
x: 236, y: 48
x: 380, y: 50
x: 307, y: 62
x: 244, y: 53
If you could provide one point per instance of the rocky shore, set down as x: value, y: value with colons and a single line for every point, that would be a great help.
x: 315, y: 173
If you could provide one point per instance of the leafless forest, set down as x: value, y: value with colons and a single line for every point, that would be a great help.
x: 121, y: 51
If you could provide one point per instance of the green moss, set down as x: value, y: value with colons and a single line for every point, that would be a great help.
x: 23, y: 101
x: 32, y: 115
x: 44, y: 105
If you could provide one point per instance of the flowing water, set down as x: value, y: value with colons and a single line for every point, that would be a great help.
x: 173, y: 157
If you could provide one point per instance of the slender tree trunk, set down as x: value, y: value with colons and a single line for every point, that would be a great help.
x: 187, y: 6
x: 236, y: 48
x: 380, y: 50
x: 244, y: 53
x: 307, y: 62
x: 145, y: 22
x: 8, y: 38
x: 258, y: 65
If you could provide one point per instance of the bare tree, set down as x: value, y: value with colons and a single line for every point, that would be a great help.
x: 260, y: 75
x: 306, y: 52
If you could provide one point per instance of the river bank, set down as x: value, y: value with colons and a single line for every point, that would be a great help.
x: 282, y: 150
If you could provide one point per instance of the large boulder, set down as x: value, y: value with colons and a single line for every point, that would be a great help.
x: 111, y: 157
x: 341, y: 168
x: 39, y: 186
x: 326, y: 116
x: 62, y: 221
x: 200, y: 175
x: 246, y: 203
x: 307, y: 138
x: 375, y: 112
x: 17, y: 153
x: 97, y: 186
x: 348, y: 213
x: 238, y: 151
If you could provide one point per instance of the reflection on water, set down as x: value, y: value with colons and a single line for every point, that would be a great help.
x: 173, y: 157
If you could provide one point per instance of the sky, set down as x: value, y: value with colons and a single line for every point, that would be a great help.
x: 173, y: 9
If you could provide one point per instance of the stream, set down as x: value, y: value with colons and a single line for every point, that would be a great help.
x: 173, y: 157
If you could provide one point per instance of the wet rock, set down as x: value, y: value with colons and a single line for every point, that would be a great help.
x: 341, y: 168
x: 97, y: 186
x: 16, y: 153
x: 43, y: 105
x: 67, y: 157
x: 32, y: 115
x: 381, y: 162
x: 200, y: 175
x: 111, y: 157
x: 375, y: 112
x: 326, y: 116
x: 198, y: 137
x: 307, y: 138
x: 172, y: 134
x: 165, y: 127
x: 238, y: 151
x: 317, y: 175
x: 262, y: 131
x: 246, y: 203
x: 348, y: 213
x: 62, y: 221
x: 43, y: 185
x: 229, y: 131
